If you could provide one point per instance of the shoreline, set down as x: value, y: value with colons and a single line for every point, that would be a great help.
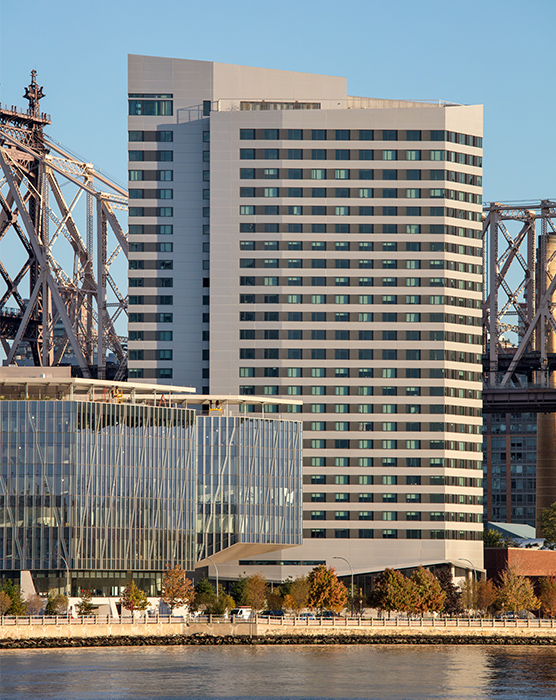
x: 203, y: 639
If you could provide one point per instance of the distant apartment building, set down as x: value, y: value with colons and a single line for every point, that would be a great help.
x: 510, y: 466
x: 289, y: 240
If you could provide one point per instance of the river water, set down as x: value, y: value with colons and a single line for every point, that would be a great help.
x: 374, y: 672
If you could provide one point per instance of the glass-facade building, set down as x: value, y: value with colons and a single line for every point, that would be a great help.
x: 111, y: 491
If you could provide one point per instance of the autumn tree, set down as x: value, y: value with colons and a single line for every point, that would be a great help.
x: 219, y: 605
x: 134, y: 599
x: 547, y: 586
x: 5, y: 602
x: 326, y: 592
x: 296, y: 598
x: 18, y: 606
x: 547, y: 521
x: 56, y: 603
x: 392, y: 591
x: 452, y: 601
x: 255, y: 591
x: 274, y: 600
x: 177, y: 589
x: 427, y: 595
x: 85, y: 605
x: 34, y: 604
x: 515, y: 592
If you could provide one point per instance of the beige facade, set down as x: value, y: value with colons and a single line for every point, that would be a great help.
x: 328, y: 248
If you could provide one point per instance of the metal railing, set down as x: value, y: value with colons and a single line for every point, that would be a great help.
x: 289, y: 621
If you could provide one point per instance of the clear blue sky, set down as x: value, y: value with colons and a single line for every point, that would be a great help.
x: 500, y: 53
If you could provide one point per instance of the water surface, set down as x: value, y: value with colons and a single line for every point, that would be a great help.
x: 374, y: 672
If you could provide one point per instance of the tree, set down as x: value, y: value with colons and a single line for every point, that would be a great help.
x: 325, y: 591
x: 547, y: 595
x: 56, y: 604
x: 255, y: 591
x: 428, y: 595
x: 547, y: 521
x: 392, y: 591
x: 177, y: 589
x: 452, y: 601
x: 205, y: 594
x: 133, y: 598
x: 85, y: 605
x: 494, y: 538
x: 485, y: 596
x: 275, y: 601
x: 218, y: 606
x: 296, y: 598
x: 5, y: 602
x: 515, y: 592
x: 18, y: 606
x: 34, y: 604
x: 237, y: 590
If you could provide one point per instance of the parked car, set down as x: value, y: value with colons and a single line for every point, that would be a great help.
x: 307, y: 616
x: 272, y: 613
x: 244, y: 612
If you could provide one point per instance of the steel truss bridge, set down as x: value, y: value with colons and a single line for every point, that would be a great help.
x: 519, y: 325
x: 58, y: 221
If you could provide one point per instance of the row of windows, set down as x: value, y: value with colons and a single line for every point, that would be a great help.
x: 151, y: 335
x: 394, y: 534
x: 159, y: 373
x: 347, y: 154
x: 164, y: 136
x: 300, y: 210
x: 159, y: 354
x: 436, y: 229
x: 345, y: 246
x: 394, y: 515
x: 155, y: 156
x: 361, y: 135
x: 340, y: 281
x: 151, y: 282
x: 369, y: 263
x: 347, y: 192
x: 385, y: 299
x: 438, y: 175
x: 151, y: 194
x: 386, y: 426
x: 151, y: 247
x: 364, y: 299
x: 389, y: 462
x: 156, y: 175
x: 165, y: 317
x: 391, y: 479
x: 151, y: 229
x: 159, y: 300
x: 367, y: 316
x: 151, y: 211
x: 322, y: 444
x: 151, y: 265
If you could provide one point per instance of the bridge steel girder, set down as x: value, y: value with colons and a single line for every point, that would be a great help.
x: 45, y: 291
x: 518, y: 291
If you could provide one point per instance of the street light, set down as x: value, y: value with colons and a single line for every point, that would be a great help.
x: 472, y: 567
x: 67, y: 575
x: 216, y: 569
x: 347, y: 562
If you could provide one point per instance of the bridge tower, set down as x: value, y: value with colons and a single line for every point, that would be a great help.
x: 59, y: 301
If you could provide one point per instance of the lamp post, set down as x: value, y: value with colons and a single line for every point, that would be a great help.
x: 472, y: 567
x: 67, y: 576
x: 347, y: 562
x: 216, y: 569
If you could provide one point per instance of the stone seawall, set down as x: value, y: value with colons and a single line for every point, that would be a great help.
x: 108, y: 634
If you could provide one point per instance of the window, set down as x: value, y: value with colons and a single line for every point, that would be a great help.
x: 341, y: 174
x: 389, y: 155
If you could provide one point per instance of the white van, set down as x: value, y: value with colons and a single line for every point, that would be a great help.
x: 244, y: 612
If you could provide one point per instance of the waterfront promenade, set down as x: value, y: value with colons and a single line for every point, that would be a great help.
x: 101, y: 630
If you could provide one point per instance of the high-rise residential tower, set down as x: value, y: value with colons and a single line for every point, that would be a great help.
x: 288, y: 239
